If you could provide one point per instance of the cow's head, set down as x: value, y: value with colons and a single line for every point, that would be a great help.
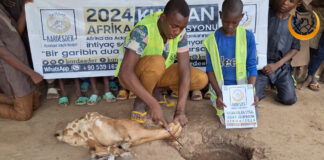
x: 75, y: 133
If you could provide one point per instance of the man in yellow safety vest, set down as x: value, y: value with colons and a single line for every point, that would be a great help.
x: 146, y: 62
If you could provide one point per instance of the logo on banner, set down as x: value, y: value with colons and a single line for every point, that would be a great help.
x: 249, y: 18
x: 304, y: 25
x: 58, y: 25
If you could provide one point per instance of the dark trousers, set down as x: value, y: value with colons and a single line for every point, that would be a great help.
x: 282, y: 80
x: 316, y: 58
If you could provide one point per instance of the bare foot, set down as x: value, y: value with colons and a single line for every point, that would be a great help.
x: 306, y: 83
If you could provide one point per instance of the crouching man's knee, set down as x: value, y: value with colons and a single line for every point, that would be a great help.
x: 199, y: 79
x: 23, y: 116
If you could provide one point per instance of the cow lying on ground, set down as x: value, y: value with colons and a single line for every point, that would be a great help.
x: 106, y: 137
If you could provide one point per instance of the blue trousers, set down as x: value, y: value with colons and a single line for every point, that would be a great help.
x: 282, y: 80
x: 316, y: 58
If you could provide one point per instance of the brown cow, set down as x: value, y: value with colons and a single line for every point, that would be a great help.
x: 106, y: 137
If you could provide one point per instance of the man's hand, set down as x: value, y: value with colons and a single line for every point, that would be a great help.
x: 36, y: 77
x: 156, y: 114
x: 256, y: 101
x: 180, y: 117
x: 270, y: 68
x: 219, y: 103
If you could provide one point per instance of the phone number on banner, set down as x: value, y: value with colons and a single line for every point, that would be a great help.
x: 79, y: 67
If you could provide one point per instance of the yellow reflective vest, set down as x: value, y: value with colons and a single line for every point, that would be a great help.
x: 155, y: 43
x: 240, y: 58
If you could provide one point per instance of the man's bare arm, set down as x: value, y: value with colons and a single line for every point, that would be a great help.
x: 14, y: 62
x: 184, y: 86
x: 184, y: 79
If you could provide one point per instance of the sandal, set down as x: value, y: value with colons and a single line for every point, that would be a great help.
x: 166, y: 103
x: 196, y: 95
x: 85, y: 86
x: 207, y: 95
x: 314, y: 86
x: 174, y: 95
x: 52, y: 93
x: 93, y: 100
x: 135, y: 116
x: 63, y: 101
x: 122, y: 95
x: 113, y: 86
x: 131, y: 95
x: 109, y: 97
x: 81, y: 101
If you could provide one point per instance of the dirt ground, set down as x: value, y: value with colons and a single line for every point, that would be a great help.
x: 284, y: 132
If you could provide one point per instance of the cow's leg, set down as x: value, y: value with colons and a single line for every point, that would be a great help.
x: 99, y: 151
x: 141, y: 135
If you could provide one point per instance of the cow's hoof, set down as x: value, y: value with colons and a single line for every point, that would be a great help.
x: 103, y: 157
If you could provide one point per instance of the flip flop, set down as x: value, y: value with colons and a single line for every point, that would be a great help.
x: 52, y: 93
x: 64, y: 101
x: 81, y: 101
x: 109, y: 97
x: 85, y: 86
x: 113, y: 86
x: 196, y: 95
x: 166, y: 103
x: 131, y: 95
x: 314, y: 86
x: 122, y: 95
x: 93, y: 100
x: 136, y: 114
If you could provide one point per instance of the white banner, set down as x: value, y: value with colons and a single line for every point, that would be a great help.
x: 75, y: 38
x: 239, y: 112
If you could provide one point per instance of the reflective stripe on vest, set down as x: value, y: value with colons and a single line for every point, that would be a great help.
x: 155, y: 43
x: 240, y: 58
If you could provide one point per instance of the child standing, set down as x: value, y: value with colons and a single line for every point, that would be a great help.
x: 63, y: 100
x: 95, y: 98
x: 230, y: 55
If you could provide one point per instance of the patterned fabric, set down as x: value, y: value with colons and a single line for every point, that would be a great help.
x: 139, y: 38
